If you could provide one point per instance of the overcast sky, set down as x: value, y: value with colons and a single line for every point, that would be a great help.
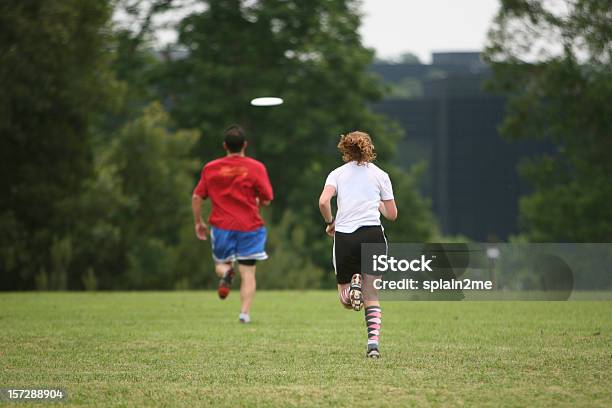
x: 422, y: 26
x: 419, y: 26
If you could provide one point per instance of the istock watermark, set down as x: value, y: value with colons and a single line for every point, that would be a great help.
x: 432, y: 286
x: 384, y: 263
x: 487, y: 271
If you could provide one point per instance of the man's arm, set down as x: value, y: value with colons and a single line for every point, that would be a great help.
x: 388, y: 209
x: 201, y: 229
x: 325, y: 208
x: 264, y: 188
x: 199, y: 193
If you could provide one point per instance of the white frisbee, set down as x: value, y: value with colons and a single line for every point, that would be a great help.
x: 267, y: 101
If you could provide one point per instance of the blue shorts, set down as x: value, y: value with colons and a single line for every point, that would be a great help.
x: 228, y: 246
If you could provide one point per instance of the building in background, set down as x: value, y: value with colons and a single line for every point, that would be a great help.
x: 452, y: 122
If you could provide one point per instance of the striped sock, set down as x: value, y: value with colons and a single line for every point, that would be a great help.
x: 373, y: 317
x: 344, y: 296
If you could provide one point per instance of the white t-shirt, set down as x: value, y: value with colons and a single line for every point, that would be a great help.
x: 360, y: 188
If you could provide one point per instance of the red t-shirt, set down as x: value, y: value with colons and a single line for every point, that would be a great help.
x: 233, y: 184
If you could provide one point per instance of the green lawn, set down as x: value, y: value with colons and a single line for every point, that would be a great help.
x: 303, y: 349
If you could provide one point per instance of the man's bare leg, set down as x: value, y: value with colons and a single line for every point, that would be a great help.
x: 222, y: 267
x: 226, y: 274
x: 247, y: 289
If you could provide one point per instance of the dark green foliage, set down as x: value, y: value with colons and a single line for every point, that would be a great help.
x: 290, y: 265
x: 133, y: 211
x: 415, y: 222
x: 562, y: 96
x: 96, y: 180
x: 308, y: 53
x: 52, y: 78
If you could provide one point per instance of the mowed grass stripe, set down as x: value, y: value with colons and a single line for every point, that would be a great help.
x: 187, y: 348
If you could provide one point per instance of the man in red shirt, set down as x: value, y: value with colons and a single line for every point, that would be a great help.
x: 236, y: 185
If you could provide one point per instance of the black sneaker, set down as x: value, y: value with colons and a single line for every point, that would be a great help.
x: 355, y: 294
x: 372, y: 351
x: 225, y: 284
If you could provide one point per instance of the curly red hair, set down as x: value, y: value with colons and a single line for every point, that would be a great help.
x: 357, y: 146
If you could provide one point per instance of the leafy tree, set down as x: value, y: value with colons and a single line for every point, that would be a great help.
x: 136, y: 62
x: 562, y: 95
x: 409, y: 58
x: 52, y: 74
x: 406, y: 57
x: 415, y: 223
x: 308, y: 53
x: 290, y: 265
x: 407, y: 88
x: 96, y: 180
x: 133, y: 213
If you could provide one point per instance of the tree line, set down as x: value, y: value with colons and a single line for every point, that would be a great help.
x: 103, y: 134
x: 103, y: 137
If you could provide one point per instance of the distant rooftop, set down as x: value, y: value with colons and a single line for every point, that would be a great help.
x: 444, y: 64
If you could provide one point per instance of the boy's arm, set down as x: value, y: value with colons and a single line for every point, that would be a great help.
x: 201, y: 229
x: 199, y: 193
x: 266, y: 195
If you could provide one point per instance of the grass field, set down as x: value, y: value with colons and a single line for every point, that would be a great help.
x: 303, y: 349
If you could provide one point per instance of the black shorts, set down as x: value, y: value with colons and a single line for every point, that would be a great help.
x: 347, y: 250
